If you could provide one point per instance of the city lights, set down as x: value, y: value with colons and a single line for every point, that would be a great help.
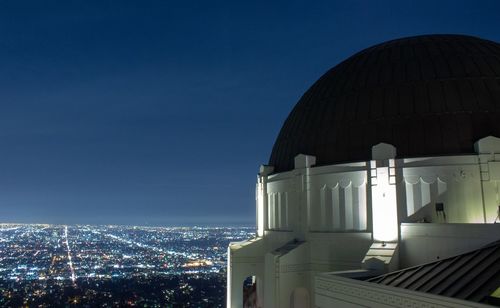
x: 94, y: 265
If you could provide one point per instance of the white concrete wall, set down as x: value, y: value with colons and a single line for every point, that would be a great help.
x: 293, y: 273
x: 335, y: 199
x: 338, y: 199
x: 244, y: 259
x: 454, y: 181
x: 330, y: 207
x: 337, y: 251
x: 428, y: 242
x: 282, y: 203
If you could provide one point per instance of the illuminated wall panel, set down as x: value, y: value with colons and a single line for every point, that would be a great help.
x: 384, y: 208
x: 338, y: 202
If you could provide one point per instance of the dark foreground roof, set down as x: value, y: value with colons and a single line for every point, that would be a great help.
x: 472, y: 276
x: 426, y: 95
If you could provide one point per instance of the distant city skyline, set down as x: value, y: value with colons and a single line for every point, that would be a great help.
x: 160, y: 113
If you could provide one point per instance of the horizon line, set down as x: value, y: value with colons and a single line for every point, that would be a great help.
x: 186, y: 225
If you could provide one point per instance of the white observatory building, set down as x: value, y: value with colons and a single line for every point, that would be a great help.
x: 383, y: 186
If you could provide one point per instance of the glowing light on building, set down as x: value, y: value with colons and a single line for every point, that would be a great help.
x: 385, y: 219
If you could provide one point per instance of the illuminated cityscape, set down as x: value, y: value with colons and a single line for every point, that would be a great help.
x: 47, y: 265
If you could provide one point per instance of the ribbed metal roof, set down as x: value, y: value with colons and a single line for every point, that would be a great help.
x: 426, y: 95
x: 472, y: 276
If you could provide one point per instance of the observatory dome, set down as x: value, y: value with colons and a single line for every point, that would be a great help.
x: 427, y: 95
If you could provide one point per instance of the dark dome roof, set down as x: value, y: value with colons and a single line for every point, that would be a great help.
x: 426, y: 95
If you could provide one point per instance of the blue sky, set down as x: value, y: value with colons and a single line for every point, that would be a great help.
x: 160, y: 112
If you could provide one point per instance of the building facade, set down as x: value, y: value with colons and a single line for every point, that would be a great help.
x: 390, y: 160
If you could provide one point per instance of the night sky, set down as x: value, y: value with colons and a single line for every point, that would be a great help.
x: 160, y: 112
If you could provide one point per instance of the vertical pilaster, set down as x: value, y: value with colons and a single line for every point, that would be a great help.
x: 383, y: 190
x: 303, y: 164
x: 261, y: 199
